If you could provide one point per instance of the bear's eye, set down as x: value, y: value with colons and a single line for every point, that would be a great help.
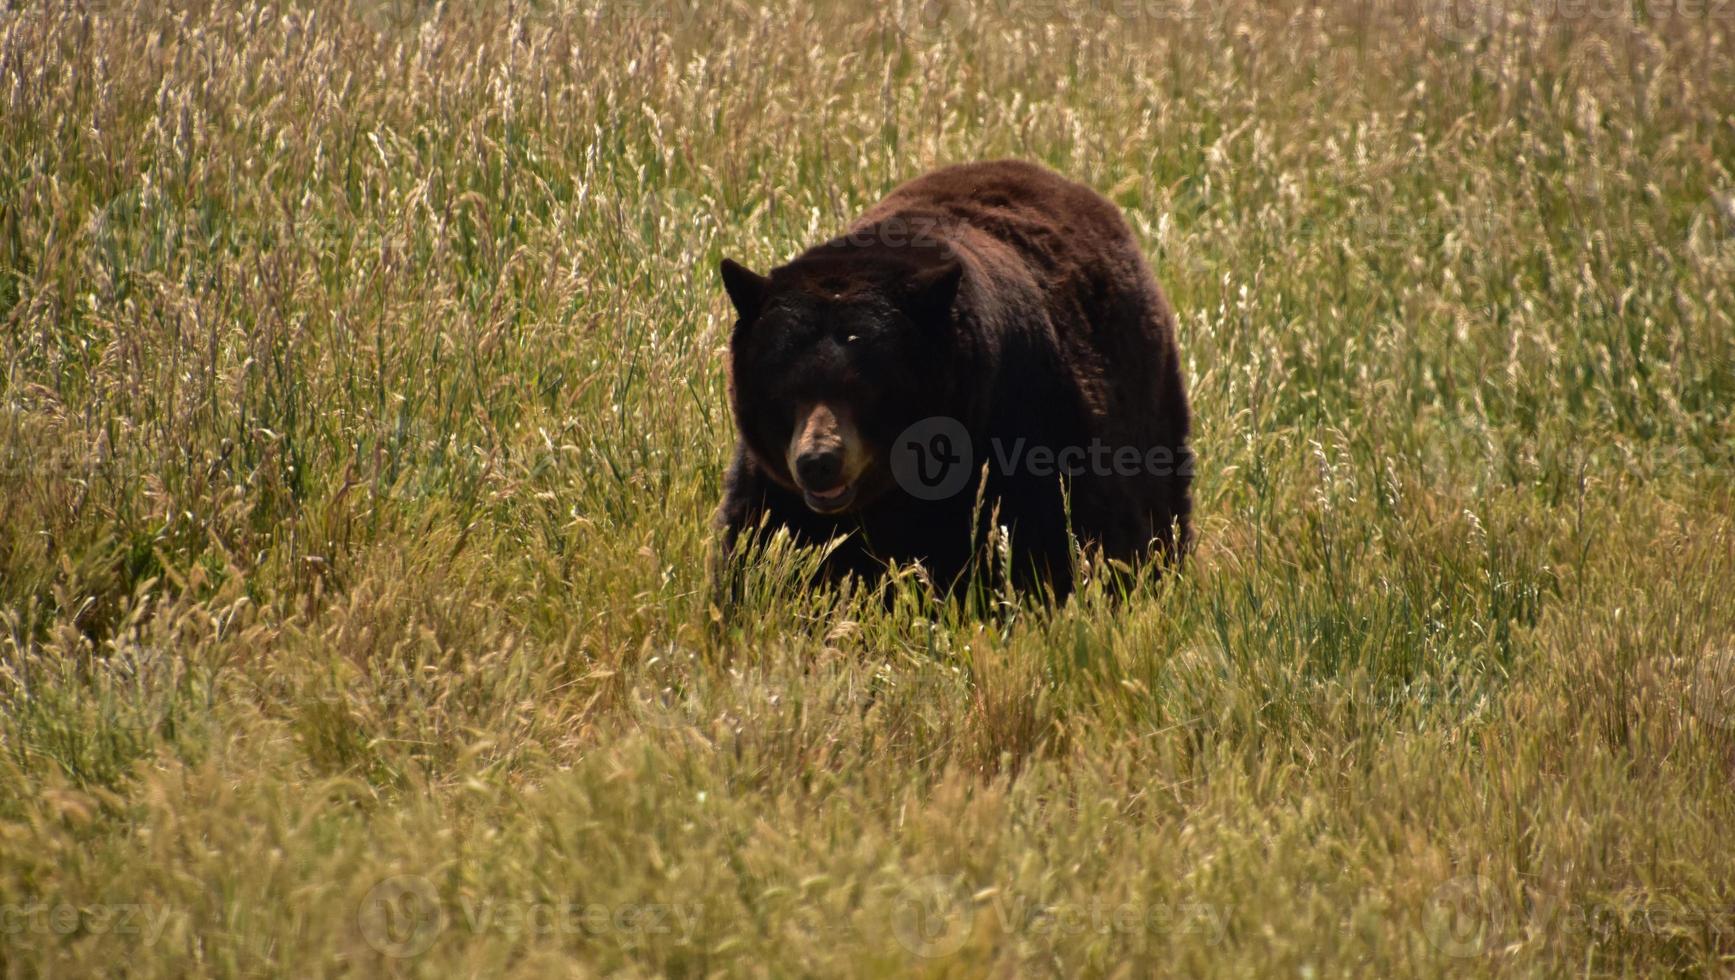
x: 851, y: 338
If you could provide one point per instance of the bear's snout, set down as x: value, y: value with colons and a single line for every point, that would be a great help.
x: 819, y: 468
x: 825, y: 457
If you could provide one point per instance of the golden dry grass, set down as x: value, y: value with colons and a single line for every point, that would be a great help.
x: 363, y: 412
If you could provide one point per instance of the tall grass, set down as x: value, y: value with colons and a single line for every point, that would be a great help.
x: 363, y: 412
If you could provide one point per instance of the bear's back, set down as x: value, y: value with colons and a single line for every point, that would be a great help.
x: 1065, y: 232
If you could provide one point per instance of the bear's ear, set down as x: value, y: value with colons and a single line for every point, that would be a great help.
x: 746, y: 289
x: 931, y: 292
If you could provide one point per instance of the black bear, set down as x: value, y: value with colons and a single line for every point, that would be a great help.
x: 985, y: 322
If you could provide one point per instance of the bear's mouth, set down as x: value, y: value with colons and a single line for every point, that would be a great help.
x: 832, y: 501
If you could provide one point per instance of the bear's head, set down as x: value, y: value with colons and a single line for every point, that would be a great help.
x: 832, y: 356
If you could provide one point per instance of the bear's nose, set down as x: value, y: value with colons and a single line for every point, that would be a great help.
x: 819, y: 469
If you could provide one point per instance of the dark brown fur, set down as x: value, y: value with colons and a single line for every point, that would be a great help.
x: 999, y: 294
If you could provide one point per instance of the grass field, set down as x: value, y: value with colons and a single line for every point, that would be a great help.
x: 363, y: 414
